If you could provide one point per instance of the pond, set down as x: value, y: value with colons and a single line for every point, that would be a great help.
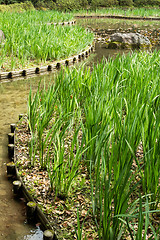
x: 104, y: 27
x: 13, y: 101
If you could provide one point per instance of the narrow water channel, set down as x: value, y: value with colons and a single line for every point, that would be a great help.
x: 13, y: 101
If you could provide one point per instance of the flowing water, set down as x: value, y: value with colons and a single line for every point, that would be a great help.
x: 13, y: 101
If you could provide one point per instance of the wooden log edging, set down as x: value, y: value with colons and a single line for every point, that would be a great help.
x: 20, y: 189
x: 119, y: 17
x: 48, y: 68
x: 63, y: 23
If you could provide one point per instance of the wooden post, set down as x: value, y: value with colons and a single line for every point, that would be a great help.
x: 31, y: 211
x: 48, y: 235
x: 11, y: 138
x: 11, y: 169
x: 13, y: 127
x: 16, y: 186
x: 24, y: 73
x: 74, y: 60
x: 11, y: 151
x: 49, y: 68
x: 10, y: 75
x: 67, y: 63
x: 37, y: 71
x: 58, y: 66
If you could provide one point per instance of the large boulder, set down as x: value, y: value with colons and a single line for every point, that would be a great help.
x: 128, y: 40
x: 2, y: 36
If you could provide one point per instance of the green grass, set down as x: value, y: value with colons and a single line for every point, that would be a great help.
x: 108, y: 120
x: 17, y: 7
x: 141, y: 12
x: 107, y: 23
x: 29, y: 40
x: 37, y: 17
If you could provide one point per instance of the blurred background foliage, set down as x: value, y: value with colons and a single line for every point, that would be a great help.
x: 75, y: 5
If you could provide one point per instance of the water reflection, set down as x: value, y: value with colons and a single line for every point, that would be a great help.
x: 36, y: 234
x: 105, y: 27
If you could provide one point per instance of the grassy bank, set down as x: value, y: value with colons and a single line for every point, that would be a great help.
x: 31, y: 41
x: 141, y: 12
x: 94, y: 134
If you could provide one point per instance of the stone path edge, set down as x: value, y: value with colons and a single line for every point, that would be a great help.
x: 119, y: 17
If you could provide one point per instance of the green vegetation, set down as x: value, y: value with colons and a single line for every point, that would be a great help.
x: 43, y: 5
x: 128, y: 3
x: 108, y: 120
x: 124, y: 3
x: 140, y: 3
x: 104, y: 3
x: 142, y: 12
x: 17, y: 7
x: 69, y: 5
x: 35, y: 17
x: 30, y: 40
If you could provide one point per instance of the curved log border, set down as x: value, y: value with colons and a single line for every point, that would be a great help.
x: 48, y: 68
x: 14, y: 175
x: 119, y: 17
x: 62, y: 23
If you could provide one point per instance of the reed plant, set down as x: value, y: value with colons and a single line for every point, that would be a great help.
x: 38, y: 17
x: 107, y: 119
x: 141, y: 12
x: 30, y: 38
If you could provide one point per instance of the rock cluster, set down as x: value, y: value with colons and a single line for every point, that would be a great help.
x: 128, y: 40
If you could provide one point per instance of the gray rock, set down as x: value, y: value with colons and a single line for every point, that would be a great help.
x: 2, y: 36
x: 129, y: 39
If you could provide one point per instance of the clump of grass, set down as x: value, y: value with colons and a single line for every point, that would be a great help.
x: 141, y: 12
x: 29, y: 38
x: 100, y: 119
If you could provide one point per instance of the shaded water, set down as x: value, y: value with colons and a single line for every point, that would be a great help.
x: 13, y: 101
